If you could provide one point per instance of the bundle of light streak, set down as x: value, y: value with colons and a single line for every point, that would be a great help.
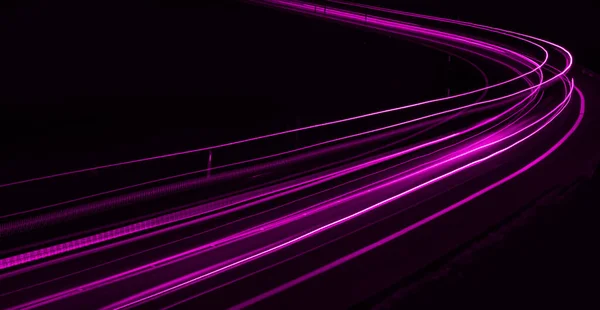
x: 265, y: 194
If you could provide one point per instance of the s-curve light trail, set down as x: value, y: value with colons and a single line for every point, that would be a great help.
x: 350, y: 208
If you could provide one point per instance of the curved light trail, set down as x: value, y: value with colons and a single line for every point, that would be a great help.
x: 326, y: 187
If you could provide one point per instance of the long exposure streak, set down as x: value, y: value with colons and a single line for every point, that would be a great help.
x: 265, y: 207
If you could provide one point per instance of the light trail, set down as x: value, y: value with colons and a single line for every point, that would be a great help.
x: 171, y: 287
x: 372, y: 174
x: 420, y: 223
x: 12, y: 261
x: 438, y: 34
x: 134, y: 228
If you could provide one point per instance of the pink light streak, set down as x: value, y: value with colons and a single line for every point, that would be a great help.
x: 512, y: 131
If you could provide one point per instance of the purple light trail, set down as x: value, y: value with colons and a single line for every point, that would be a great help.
x: 368, y: 181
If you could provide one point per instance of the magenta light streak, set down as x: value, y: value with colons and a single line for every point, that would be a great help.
x: 420, y: 223
x: 335, y: 223
x: 264, y: 157
x: 560, y: 107
x: 185, y: 214
x: 182, y: 215
x: 384, y: 128
x: 520, y: 132
x: 130, y: 229
x: 171, y: 286
x: 112, y: 191
x: 42, y: 253
x: 224, y: 241
x: 328, y: 12
x: 178, y: 216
